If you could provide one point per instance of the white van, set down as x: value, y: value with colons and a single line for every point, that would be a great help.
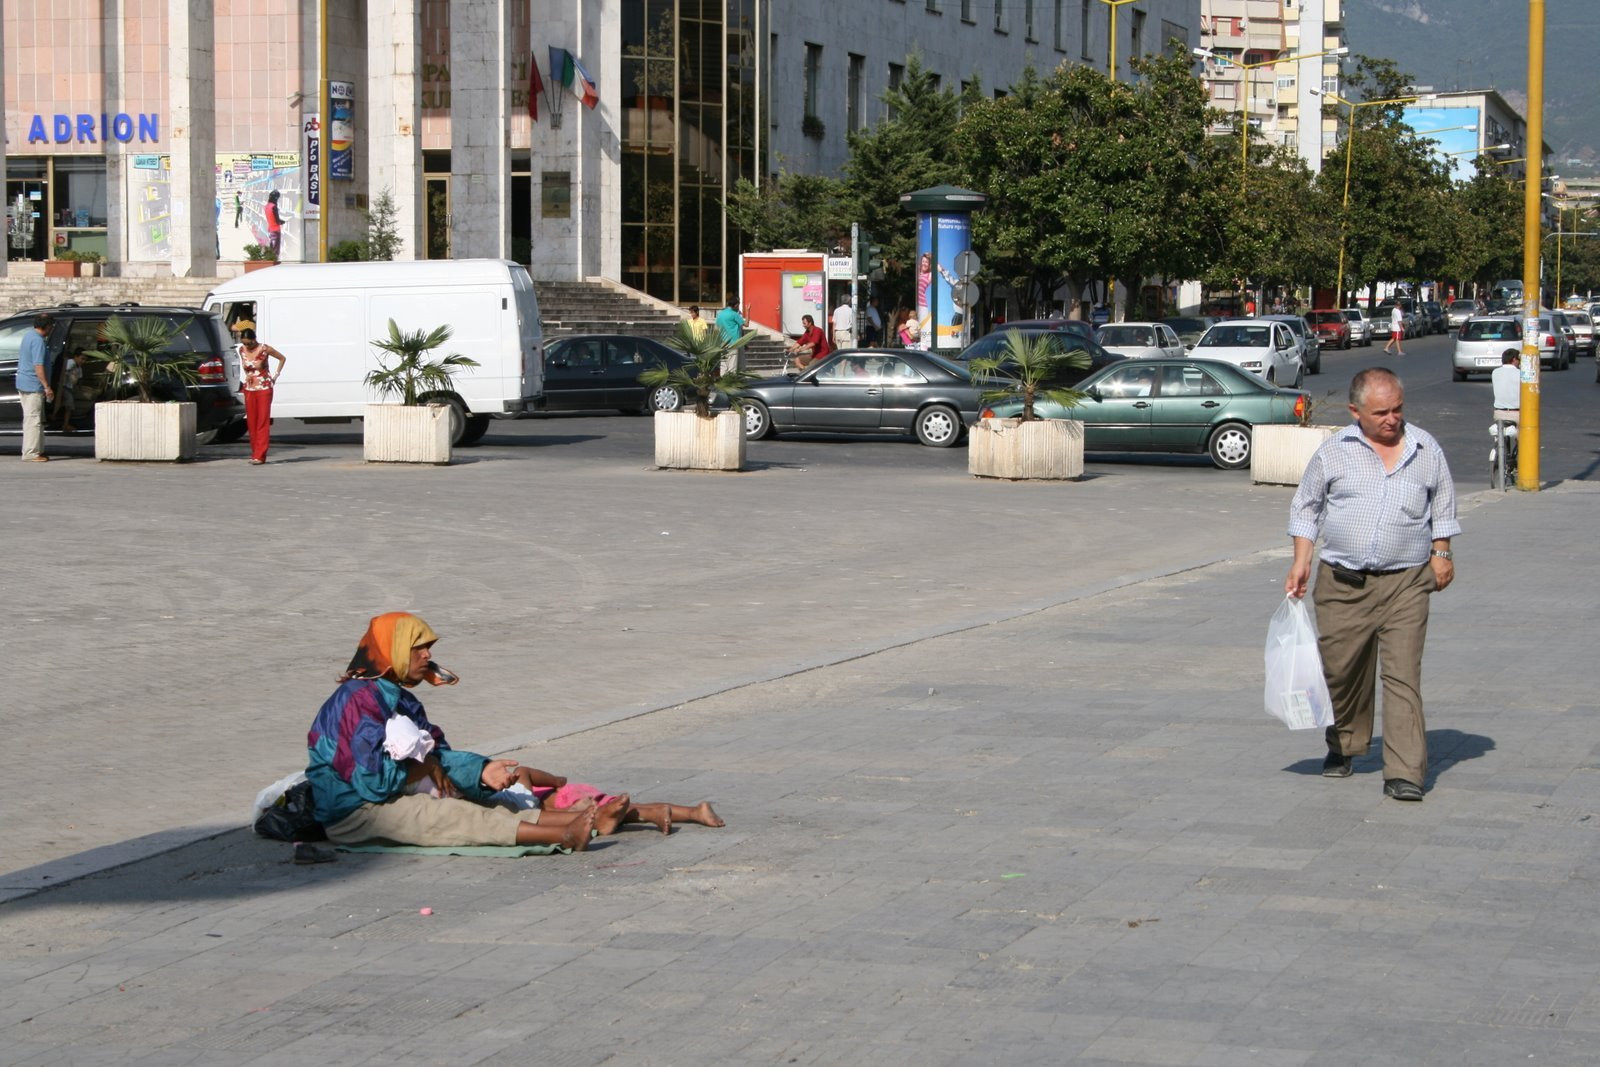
x: 324, y: 317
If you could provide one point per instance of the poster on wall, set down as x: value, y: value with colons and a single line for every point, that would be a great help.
x: 342, y: 131
x: 311, y: 138
x: 245, y: 182
x: 941, y: 314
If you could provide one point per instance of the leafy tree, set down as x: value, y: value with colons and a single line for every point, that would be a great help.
x: 709, y: 370
x: 1273, y: 229
x: 1022, y: 370
x: 789, y: 211
x: 413, y: 376
x: 383, y: 233
x: 138, y: 353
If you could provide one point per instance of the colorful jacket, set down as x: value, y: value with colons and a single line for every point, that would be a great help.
x: 347, y: 764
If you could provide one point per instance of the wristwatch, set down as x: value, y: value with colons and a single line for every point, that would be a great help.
x: 1442, y: 553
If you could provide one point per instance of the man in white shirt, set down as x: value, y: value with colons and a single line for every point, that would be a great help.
x: 1507, y: 383
x: 1397, y: 331
x: 844, y: 324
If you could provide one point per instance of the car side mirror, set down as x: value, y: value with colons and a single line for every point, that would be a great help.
x: 556, y: 362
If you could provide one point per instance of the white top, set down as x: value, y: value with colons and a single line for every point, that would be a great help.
x: 844, y: 318
x: 1507, y: 383
x: 1397, y: 319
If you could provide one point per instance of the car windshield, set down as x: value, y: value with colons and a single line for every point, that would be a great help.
x: 1492, y: 330
x: 1321, y: 317
x: 1579, y: 318
x: 1111, y: 336
x: 1353, y: 315
x: 1237, y: 337
x: 1462, y: 305
x: 1190, y: 325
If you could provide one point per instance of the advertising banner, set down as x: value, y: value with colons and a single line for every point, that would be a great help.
x: 341, y: 131
x: 311, y: 130
x: 244, y: 182
x: 1444, y: 126
x: 942, y: 316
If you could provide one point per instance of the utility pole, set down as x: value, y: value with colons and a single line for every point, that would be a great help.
x: 1528, y: 430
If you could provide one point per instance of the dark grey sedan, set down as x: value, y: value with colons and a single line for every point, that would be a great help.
x: 591, y: 371
x: 867, y: 391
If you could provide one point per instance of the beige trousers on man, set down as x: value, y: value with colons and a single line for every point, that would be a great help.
x: 32, y: 425
x: 1372, y: 632
x: 416, y: 819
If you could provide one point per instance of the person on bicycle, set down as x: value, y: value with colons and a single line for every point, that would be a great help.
x: 1507, y: 383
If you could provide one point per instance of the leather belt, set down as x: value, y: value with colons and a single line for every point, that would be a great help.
x: 1371, y: 572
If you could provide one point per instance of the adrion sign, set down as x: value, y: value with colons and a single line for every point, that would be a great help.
x: 82, y: 128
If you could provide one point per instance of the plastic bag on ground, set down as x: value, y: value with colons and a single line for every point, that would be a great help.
x: 1296, y: 692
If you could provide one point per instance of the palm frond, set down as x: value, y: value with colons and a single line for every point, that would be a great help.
x: 704, y: 376
x: 413, y: 376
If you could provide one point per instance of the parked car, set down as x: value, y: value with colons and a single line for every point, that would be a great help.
x: 1310, y: 348
x: 219, y: 414
x: 1433, y: 314
x: 1562, y: 323
x: 1331, y: 327
x: 1583, y: 328
x: 1413, y: 323
x: 594, y: 371
x: 1139, y: 340
x: 1174, y: 405
x: 1062, y: 341
x: 1554, y: 351
x: 867, y: 391
x: 1080, y: 326
x: 1482, y: 341
x: 1459, y: 311
x: 1361, y: 327
x: 1190, y: 327
x: 1262, y: 346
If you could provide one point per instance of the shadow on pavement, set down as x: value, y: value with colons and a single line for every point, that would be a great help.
x: 1446, y: 748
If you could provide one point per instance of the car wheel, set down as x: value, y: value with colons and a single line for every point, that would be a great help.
x: 938, y: 426
x: 1230, y: 446
x: 757, y: 420
x: 663, y: 398
x: 1299, y: 376
x: 1346, y: 346
x: 458, y: 415
x: 1460, y: 375
x: 477, y: 426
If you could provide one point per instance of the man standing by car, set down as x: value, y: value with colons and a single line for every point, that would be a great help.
x: 1380, y: 494
x: 844, y: 324
x: 33, y: 386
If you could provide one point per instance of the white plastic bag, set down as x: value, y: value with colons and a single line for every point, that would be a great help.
x: 1296, y: 692
x: 269, y: 796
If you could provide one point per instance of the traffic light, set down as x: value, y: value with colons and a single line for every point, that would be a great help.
x: 869, y: 257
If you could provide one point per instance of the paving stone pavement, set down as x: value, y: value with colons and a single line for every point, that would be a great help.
x: 998, y: 782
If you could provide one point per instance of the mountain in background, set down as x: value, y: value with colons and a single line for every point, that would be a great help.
x: 1483, y: 44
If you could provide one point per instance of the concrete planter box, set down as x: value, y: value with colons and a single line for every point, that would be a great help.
x: 1279, y: 454
x: 132, y: 430
x: 686, y: 441
x: 394, y: 433
x: 1045, y: 449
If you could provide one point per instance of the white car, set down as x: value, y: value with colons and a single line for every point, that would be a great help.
x: 1139, y: 340
x: 1361, y: 327
x: 1583, y: 329
x: 1262, y: 346
x: 1481, y: 343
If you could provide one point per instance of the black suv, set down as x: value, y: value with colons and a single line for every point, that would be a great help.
x: 218, y: 412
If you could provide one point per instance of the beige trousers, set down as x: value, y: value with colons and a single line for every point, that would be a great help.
x: 415, y: 819
x: 1366, y: 634
x: 32, y: 424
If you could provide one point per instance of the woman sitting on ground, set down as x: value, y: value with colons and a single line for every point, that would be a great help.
x: 363, y: 793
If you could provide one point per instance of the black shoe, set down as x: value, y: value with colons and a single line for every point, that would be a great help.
x: 1401, y: 789
x: 307, y: 853
x: 1337, y: 766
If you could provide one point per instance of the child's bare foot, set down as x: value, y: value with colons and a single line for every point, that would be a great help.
x: 664, y: 823
x: 576, y: 836
x: 705, y: 816
x: 581, y: 804
x: 609, y: 815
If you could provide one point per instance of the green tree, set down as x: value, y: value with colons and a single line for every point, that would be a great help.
x: 789, y: 211
x: 413, y: 375
x: 1273, y: 229
x: 138, y: 353
x: 710, y: 369
x: 383, y: 231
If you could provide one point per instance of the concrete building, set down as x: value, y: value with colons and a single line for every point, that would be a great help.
x: 154, y: 131
x: 1245, y: 37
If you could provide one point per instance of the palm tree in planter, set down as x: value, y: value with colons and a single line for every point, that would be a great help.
x: 1026, y: 445
x: 1279, y: 453
x: 699, y: 439
x: 417, y: 429
x: 150, y: 426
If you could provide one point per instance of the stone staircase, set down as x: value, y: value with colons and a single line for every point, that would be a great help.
x: 593, y: 306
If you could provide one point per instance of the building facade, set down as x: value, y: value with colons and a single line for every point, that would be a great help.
x: 583, y: 137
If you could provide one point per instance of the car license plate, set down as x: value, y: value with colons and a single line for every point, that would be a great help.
x: 1488, y: 361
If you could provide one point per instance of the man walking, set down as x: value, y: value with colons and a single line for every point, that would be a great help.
x: 1379, y: 492
x: 730, y: 323
x: 1397, y: 330
x: 33, y: 385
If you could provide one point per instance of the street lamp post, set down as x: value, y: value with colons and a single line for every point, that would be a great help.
x: 1112, y: 47
x: 1528, y: 427
x: 1349, y: 156
x: 1248, y: 70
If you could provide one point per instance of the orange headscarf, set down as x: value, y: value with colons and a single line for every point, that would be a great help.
x: 385, y: 649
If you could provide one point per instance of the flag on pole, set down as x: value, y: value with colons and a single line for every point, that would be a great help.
x: 535, y: 87
x: 561, y: 66
x: 583, y: 87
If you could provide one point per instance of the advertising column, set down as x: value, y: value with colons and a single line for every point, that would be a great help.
x: 944, y: 232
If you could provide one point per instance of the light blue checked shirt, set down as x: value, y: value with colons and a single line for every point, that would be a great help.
x: 1371, y: 519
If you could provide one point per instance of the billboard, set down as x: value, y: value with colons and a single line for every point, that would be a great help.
x: 244, y: 180
x: 942, y: 315
x: 1444, y: 126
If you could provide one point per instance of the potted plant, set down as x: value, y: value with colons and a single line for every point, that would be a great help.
x: 1279, y: 453
x: 258, y: 257
x: 66, y: 264
x: 143, y: 427
x: 418, y: 428
x: 698, y: 439
x: 90, y: 262
x: 1026, y: 445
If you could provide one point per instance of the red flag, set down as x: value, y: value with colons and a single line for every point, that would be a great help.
x: 535, y: 87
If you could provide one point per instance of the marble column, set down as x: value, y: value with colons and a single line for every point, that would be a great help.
x: 112, y: 63
x: 5, y: 253
x: 480, y: 107
x: 394, y: 89
x: 192, y: 96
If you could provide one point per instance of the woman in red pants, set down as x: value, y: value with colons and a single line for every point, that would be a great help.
x: 258, y: 381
